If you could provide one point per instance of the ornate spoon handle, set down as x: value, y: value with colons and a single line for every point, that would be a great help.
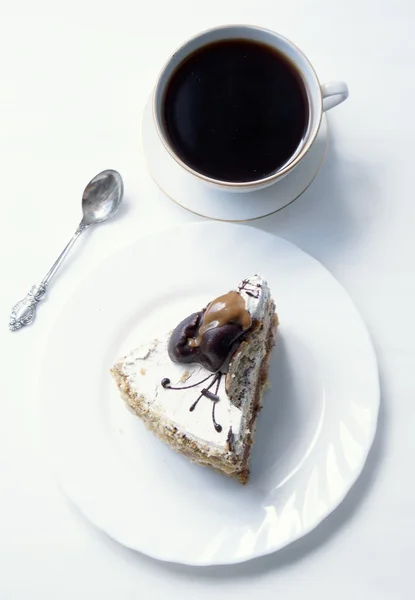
x: 24, y: 312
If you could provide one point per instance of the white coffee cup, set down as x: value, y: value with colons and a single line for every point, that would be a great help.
x: 321, y: 97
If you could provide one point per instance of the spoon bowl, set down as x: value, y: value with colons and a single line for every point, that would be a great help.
x: 102, y: 197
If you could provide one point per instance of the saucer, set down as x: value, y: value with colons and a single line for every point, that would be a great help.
x: 205, y: 201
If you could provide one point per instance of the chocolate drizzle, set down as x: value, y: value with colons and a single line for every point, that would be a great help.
x: 165, y: 382
x: 250, y: 289
x: 216, y: 425
x: 205, y: 391
x: 212, y: 396
x: 216, y: 378
x: 215, y: 399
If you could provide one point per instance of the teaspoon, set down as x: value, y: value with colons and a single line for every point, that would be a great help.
x: 100, y: 200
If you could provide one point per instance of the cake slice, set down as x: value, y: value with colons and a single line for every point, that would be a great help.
x: 200, y: 388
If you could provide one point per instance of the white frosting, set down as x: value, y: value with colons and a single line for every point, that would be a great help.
x: 255, y: 286
x: 146, y: 366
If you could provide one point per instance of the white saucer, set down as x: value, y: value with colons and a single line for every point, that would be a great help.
x: 314, y: 432
x: 197, y: 197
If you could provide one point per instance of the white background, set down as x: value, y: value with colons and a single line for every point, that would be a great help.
x: 74, y: 78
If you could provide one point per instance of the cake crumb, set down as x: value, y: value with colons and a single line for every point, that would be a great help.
x: 185, y: 376
x: 143, y: 371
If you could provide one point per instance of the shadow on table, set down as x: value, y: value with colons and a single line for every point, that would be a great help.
x: 334, y: 213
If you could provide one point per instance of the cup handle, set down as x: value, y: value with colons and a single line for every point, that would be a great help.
x: 333, y: 93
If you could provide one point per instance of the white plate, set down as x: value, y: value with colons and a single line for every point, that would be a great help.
x: 205, y: 201
x: 314, y: 432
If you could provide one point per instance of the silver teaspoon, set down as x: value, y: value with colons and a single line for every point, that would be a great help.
x: 100, y: 200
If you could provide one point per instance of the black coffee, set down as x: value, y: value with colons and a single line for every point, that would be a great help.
x: 236, y: 110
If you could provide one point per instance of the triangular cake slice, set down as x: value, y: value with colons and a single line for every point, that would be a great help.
x: 200, y: 388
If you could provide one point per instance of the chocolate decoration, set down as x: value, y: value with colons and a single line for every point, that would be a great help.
x: 250, y: 289
x: 179, y: 349
x: 210, y: 395
x: 229, y: 308
x: 218, y: 345
x: 215, y: 400
x: 165, y: 382
x: 216, y: 425
x: 205, y: 390
x: 210, y: 338
x: 217, y: 350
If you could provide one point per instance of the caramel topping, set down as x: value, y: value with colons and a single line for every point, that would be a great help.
x: 226, y: 309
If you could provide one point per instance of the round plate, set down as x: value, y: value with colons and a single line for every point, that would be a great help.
x: 205, y: 201
x: 314, y: 433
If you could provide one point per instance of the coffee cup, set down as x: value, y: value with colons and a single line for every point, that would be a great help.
x: 239, y: 106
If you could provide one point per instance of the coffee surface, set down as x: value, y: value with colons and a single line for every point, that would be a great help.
x: 236, y: 110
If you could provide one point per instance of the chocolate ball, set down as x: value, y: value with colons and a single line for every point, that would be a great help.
x: 178, y: 348
x: 218, y: 345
